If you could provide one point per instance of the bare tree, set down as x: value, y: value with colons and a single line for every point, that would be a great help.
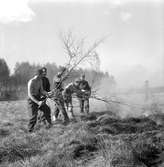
x: 77, y: 52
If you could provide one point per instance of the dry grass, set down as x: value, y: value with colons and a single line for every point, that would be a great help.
x: 99, y: 140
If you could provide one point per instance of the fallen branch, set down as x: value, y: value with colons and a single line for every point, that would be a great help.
x: 109, y: 101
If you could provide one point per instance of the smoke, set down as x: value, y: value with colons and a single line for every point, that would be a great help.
x: 127, y: 104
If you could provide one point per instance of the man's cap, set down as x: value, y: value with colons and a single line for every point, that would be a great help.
x: 59, y: 74
x: 56, y: 79
x: 44, y: 69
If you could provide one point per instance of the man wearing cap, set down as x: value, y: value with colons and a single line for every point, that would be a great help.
x: 46, y: 87
x: 35, y: 92
x: 58, y: 98
x: 67, y: 94
x: 84, y: 95
x: 45, y: 80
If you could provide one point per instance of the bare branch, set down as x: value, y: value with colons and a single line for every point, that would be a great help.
x: 78, y: 53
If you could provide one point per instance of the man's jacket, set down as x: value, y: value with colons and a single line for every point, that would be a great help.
x: 46, y: 84
x: 85, y: 89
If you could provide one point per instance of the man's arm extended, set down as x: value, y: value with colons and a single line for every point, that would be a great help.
x: 29, y: 93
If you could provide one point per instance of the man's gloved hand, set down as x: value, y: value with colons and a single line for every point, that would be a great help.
x: 43, y: 98
x: 50, y: 94
x: 40, y: 103
x: 87, y: 94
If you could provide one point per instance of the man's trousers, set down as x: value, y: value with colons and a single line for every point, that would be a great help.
x: 84, y: 105
x: 60, y: 107
x: 33, y: 109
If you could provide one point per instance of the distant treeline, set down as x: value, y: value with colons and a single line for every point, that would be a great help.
x: 14, y: 86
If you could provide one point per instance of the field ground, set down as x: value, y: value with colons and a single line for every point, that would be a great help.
x: 101, y: 139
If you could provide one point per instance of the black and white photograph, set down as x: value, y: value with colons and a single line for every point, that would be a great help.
x: 81, y: 83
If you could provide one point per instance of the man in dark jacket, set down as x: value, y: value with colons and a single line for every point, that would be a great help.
x: 84, y: 95
x: 45, y: 80
x: 46, y: 87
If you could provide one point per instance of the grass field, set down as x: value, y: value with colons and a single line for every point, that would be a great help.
x: 104, y: 138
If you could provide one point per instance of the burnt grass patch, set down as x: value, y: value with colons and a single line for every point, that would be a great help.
x: 87, y: 148
x: 115, y: 126
x: 147, y: 140
x: 84, y: 151
x: 148, y: 147
x: 134, y: 142
x: 129, y: 141
x: 4, y: 132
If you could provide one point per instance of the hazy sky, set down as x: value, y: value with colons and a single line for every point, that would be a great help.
x: 133, y: 52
